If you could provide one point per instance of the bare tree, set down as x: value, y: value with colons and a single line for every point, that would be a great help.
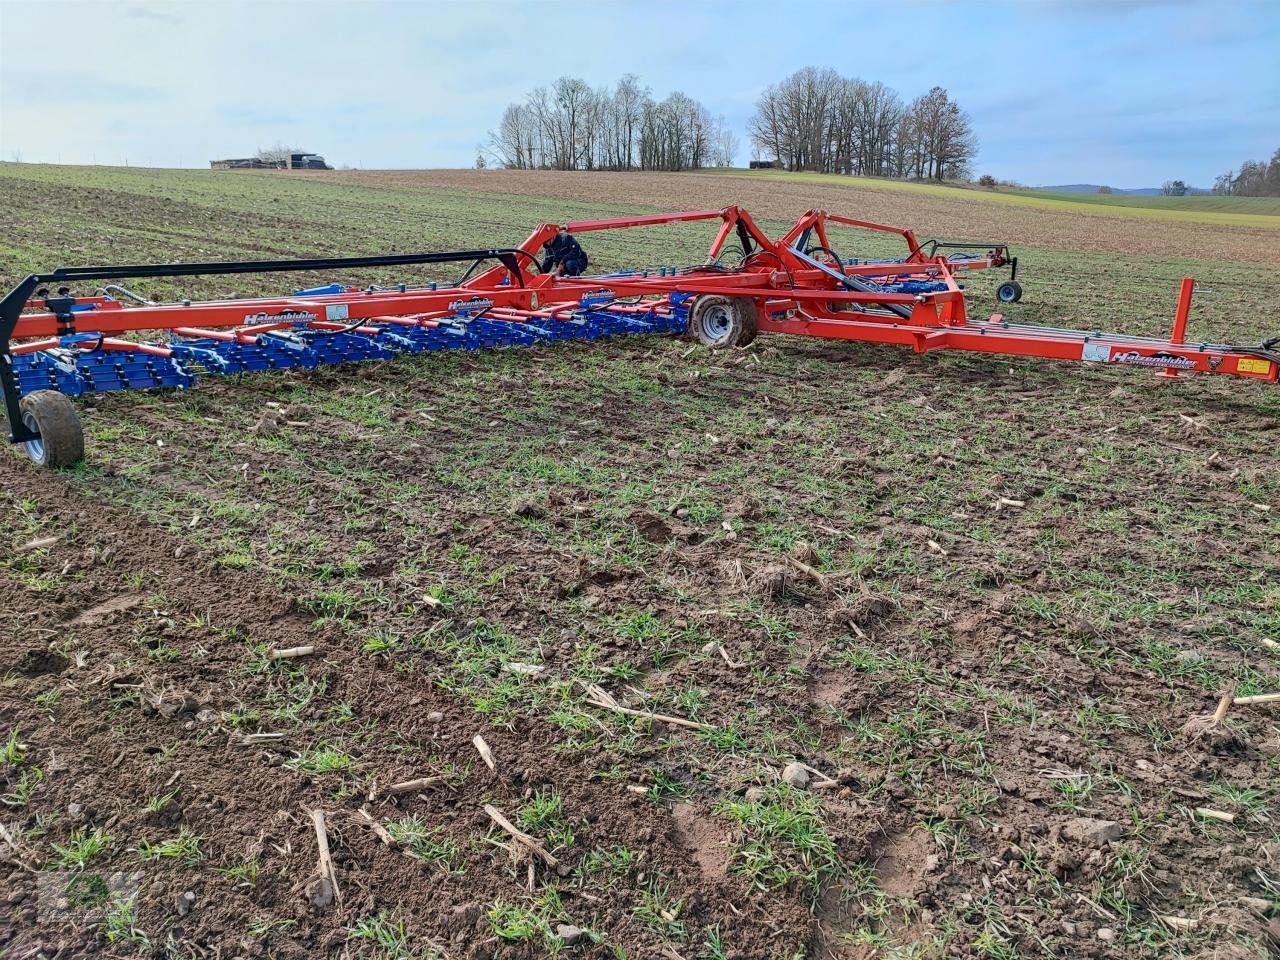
x: 945, y: 142
x: 511, y: 144
x: 726, y: 147
x: 768, y: 127
x: 569, y: 126
x: 1255, y: 178
x: 280, y: 153
x: 626, y: 111
x: 818, y: 120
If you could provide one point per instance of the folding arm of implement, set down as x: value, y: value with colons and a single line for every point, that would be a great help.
x: 915, y: 302
x: 61, y: 345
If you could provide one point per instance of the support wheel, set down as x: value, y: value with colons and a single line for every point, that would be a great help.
x: 1009, y: 292
x: 54, y: 417
x: 723, y: 322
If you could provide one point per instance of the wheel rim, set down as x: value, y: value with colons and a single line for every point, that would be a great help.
x: 717, y: 322
x: 34, y: 448
x: 1005, y: 294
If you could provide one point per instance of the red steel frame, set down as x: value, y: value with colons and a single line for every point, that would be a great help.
x: 793, y: 293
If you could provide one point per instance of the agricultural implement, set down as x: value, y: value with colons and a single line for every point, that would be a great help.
x: 56, y: 344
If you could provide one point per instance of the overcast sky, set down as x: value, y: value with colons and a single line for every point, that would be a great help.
x: 1125, y: 92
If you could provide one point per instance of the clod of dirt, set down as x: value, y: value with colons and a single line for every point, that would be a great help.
x: 184, y: 902
x: 569, y: 934
x: 866, y: 607
x: 650, y: 526
x: 268, y: 423
x: 529, y: 509
x: 180, y: 705
x: 796, y: 775
x: 320, y: 893
x: 769, y: 582
x: 463, y: 917
x: 1095, y: 833
x: 755, y: 794
x: 40, y: 661
x: 744, y: 508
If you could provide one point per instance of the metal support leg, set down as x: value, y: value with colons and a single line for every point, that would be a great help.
x: 10, y: 307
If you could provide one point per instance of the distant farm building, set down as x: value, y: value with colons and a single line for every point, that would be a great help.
x: 764, y: 164
x: 294, y: 161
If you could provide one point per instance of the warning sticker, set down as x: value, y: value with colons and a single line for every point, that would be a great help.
x: 1253, y: 365
x: 1096, y: 353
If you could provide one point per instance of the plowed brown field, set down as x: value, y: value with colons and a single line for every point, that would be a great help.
x: 955, y: 214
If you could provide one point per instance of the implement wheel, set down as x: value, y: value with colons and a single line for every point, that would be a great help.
x: 54, y: 417
x: 1009, y: 292
x: 723, y: 322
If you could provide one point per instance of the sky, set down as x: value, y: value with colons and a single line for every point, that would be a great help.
x: 1124, y: 92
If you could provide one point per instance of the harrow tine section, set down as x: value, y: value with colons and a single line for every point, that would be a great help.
x: 72, y: 366
x: 260, y: 352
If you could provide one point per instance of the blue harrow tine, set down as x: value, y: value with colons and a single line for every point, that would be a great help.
x: 121, y: 370
x: 341, y: 347
x: 43, y: 371
x: 507, y: 332
x: 96, y: 371
x: 76, y: 372
x: 222, y: 357
x: 202, y: 357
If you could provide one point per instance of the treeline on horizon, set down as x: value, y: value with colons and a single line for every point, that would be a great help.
x: 819, y: 120
x: 1255, y: 178
x: 570, y: 126
x: 813, y: 120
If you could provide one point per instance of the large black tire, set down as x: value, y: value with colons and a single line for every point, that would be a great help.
x: 54, y: 417
x: 720, y: 323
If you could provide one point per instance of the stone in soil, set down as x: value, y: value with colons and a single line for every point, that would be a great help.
x: 569, y: 933
x: 1092, y: 832
x: 796, y: 775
